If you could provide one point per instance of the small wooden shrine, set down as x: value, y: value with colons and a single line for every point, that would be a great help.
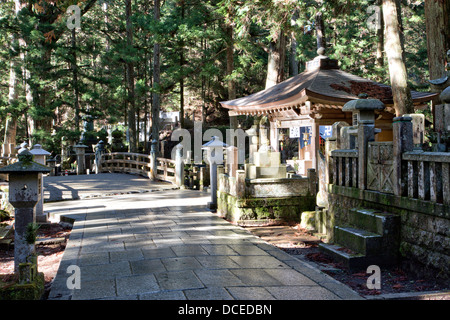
x: 305, y: 106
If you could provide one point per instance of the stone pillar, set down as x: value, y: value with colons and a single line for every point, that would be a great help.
x: 213, y: 186
x: 80, y: 150
x: 214, y: 149
x: 253, y: 146
x: 339, y: 134
x: 402, y: 142
x: 240, y: 183
x: 99, y: 150
x: 274, y: 136
x: 366, y: 133
x: 153, y: 160
x: 39, y: 157
x: 23, y: 196
x: 162, y: 150
x: 201, y: 178
x: 232, y: 161
x: 312, y: 177
x: 52, y: 164
x: 179, y: 166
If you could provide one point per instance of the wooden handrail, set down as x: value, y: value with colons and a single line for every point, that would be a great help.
x: 137, y: 163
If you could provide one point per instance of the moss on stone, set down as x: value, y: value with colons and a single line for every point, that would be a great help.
x: 288, y: 208
x: 26, y: 291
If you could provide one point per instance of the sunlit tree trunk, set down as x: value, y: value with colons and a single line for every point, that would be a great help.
x: 130, y: 83
x: 156, y: 79
x: 293, y: 61
x: 380, y: 37
x: 11, y: 122
x: 394, y: 52
x: 76, y: 104
x: 230, y: 68
x: 277, y: 56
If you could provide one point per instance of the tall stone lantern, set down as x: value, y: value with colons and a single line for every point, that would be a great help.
x: 23, y: 196
x: 40, y: 157
x: 214, y: 149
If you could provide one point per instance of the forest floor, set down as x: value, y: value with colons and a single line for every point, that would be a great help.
x: 395, y: 282
x: 50, y: 244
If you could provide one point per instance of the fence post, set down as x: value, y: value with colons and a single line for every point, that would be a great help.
x: 402, y: 142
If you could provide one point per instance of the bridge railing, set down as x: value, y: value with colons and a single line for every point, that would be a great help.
x: 136, y: 163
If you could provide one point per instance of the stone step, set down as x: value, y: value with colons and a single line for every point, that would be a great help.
x: 372, y: 220
x: 355, y: 261
x: 351, y: 261
x: 358, y: 240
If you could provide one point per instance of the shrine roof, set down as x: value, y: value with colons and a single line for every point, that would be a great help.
x: 322, y: 82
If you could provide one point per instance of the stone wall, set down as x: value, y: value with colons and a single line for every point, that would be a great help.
x: 424, y: 229
x: 244, y: 209
x: 241, y: 199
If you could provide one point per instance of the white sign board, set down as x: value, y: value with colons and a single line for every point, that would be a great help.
x: 294, y: 132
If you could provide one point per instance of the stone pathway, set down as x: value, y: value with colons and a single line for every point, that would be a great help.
x: 166, y: 245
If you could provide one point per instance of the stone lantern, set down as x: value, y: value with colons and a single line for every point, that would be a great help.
x: 214, y: 149
x: 363, y: 114
x: 40, y: 157
x: 23, y: 195
x: 363, y: 109
x: 81, y: 162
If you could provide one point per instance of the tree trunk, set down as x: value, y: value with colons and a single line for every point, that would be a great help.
x: 438, y: 42
x: 380, y: 37
x: 11, y: 123
x: 13, y: 96
x: 76, y: 104
x: 130, y: 83
x: 277, y: 56
x: 230, y: 68
x: 156, y: 80
x: 397, y: 69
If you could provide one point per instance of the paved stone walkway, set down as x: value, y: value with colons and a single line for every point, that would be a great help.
x: 74, y: 187
x: 166, y: 245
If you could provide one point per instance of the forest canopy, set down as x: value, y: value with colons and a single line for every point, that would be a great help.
x: 128, y: 60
